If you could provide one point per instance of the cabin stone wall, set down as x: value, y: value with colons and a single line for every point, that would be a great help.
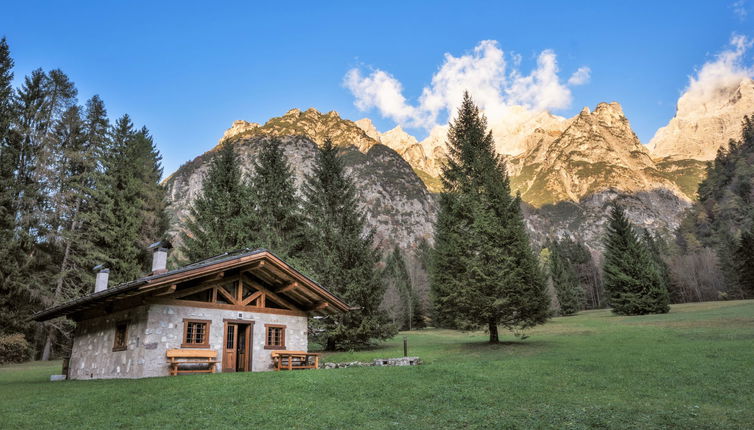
x: 92, y: 355
x: 153, y: 329
x: 165, y: 331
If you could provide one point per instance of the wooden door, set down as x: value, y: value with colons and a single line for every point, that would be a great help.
x: 241, y: 348
x: 230, y: 349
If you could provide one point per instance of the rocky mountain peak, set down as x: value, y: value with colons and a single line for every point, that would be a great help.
x: 312, y: 124
x: 704, y: 122
x: 369, y: 128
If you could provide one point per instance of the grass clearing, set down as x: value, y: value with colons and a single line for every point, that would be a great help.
x: 691, y: 368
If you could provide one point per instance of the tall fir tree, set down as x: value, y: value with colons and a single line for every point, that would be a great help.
x: 342, y: 256
x: 278, y: 223
x: 744, y: 257
x: 633, y: 281
x: 395, y: 275
x: 220, y: 215
x: 131, y: 201
x: 484, y: 272
x: 565, y: 282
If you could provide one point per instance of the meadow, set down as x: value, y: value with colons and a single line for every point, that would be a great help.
x: 691, y: 368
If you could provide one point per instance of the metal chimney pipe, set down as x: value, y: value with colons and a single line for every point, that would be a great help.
x: 100, y: 284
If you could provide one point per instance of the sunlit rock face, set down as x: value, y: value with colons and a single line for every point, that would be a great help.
x: 703, y: 124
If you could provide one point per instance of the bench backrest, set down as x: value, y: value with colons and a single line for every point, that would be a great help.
x: 191, y: 353
x: 289, y: 352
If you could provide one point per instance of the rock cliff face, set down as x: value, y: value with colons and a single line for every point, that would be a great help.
x: 597, y: 151
x: 700, y: 127
x: 397, y: 204
x: 567, y: 170
x: 310, y: 123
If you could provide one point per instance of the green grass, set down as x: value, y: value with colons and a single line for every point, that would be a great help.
x: 691, y: 368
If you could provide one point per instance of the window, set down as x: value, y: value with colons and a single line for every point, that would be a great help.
x: 275, y: 336
x: 120, y: 343
x: 195, y: 333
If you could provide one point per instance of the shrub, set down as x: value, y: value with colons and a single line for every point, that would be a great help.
x: 14, y: 349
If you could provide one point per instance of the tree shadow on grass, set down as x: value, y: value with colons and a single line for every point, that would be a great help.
x: 509, y: 345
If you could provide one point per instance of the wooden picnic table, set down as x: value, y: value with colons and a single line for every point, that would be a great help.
x: 293, y: 360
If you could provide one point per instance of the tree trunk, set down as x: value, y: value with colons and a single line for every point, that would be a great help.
x: 330, y: 346
x: 493, y: 332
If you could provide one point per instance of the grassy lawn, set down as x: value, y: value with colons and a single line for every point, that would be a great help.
x: 691, y: 368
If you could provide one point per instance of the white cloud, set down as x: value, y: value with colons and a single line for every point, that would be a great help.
x: 495, y: 84
x: 580, y: 76
x: 726, y: 71
x: 739, y: 8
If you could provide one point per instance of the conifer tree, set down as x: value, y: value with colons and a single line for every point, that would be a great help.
x: 395, y: 275
x: 570, y: 294
x: 277, y: 223
x: 484, y: 272
x: 342, y: 256
x: 219, y: 216
x: 744, y: 258
x: 633, y: 281
x: 130, y: 201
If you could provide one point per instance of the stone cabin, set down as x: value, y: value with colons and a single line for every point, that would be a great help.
x: 243, y: 305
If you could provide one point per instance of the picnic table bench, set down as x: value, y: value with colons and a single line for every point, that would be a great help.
x: 293, y: 360
x: 177, y: 357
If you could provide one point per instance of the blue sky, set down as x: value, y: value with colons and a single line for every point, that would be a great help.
x: 186, y: 70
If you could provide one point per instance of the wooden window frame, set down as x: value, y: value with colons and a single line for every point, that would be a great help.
x: 124, y: 345
x: 205, y: 344
x: 267, y: 328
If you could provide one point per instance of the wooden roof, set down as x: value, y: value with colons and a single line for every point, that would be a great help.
x: 281, y: 281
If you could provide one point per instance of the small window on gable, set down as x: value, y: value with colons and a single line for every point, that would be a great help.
x: 274, y: 336
x: 120, y: 343
x: 195, y: 333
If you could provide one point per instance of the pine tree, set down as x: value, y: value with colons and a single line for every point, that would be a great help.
x: 278, y: 224
x: 567, y: 288
x: 342, y: 256
x: 219, y: 216
x: 484, y: 271
x: 395, y: 275
x: 744, y: 256
x: 130, y: 201
x: 633, y: 281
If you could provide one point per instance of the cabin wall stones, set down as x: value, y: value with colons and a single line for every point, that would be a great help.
x: 92, y: 355
x: 155, y: 328
x: 166, y: 331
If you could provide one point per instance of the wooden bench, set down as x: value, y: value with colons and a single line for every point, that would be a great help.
x: 294, y: 360
x: 176, y: 357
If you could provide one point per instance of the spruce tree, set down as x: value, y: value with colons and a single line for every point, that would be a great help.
x: 342, y: 256
x: 484, y: 272
x: 277, y: 222
x: 219, y: 216
x: 130, y: 201
x: 395, y: 275
x: 633, y: 281
x: 565, y: 282
x: 744, y: 257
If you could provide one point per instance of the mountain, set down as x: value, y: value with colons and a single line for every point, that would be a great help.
x: 311, y: 123
x: 397, y: 204
x: 704, y: 123
x: 596, y: 152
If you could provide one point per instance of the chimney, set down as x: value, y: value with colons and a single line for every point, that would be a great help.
x: 160, y: 256
x: 100, y: 284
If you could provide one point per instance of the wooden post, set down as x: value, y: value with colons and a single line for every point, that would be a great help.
x: 405, y: 346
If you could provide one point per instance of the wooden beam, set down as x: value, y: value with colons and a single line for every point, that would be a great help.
x: 227, y: 296
x: 168, y: 290
x: 288, y: 287
x: 193, y: 290
x: 318, y: 306
x: 272, y: 295
x: 194, y: 304
x: 251, y: 298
